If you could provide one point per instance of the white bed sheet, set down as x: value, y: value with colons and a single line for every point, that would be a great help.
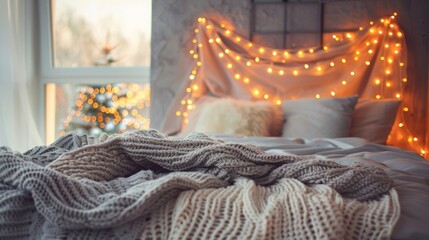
x: 409, y: 171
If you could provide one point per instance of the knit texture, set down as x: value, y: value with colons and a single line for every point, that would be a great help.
x: 144, y: 184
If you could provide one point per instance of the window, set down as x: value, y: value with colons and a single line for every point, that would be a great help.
x: 95, y: 60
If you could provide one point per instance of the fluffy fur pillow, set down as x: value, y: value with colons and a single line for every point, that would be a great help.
x: 240, y: 117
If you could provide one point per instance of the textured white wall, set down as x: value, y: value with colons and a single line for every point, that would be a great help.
x: 172, y: 27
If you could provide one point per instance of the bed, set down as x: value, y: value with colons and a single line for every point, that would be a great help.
x: 293, y: 162
x: 145, y: 185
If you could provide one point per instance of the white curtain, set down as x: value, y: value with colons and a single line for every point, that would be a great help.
x: 18, y: 83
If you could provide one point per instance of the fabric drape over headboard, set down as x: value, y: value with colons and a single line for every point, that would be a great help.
x: 370, y: 62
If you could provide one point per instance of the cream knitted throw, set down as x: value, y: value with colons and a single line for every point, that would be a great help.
x: 124, y: 187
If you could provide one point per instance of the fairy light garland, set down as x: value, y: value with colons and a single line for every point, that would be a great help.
x: 385, y: 32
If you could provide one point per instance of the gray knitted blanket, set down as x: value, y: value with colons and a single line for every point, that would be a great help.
x: 81, y: 187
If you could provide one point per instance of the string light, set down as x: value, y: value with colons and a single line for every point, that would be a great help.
x: 386, y: 78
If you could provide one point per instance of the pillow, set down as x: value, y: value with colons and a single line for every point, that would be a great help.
x: 312, y: 118
x: 200, y: 104
x: 240, y: 117
x: 373, y: 119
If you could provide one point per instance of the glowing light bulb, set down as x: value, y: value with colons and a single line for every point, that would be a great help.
x: 400, y: 125
x: 261, y: 50
x: 281, y: 72
x: 256, y: 59
x: 371, y: 23
x: 415, y: 139
x: 178, y: 113
x: 405, y: 109
x: 256, y: 92
x: 250, y: 45
x: 246, y: 80
x: 343, y: 60
x: 389, y: 60
x: 218, y: 40
x: 237, y: 76
x: 325, y: 48
x: 229, y: 65
x: 367, y: 63
x: 211, y: 40
x: 332, y: 93
x: 195, y: 56
x: 388, y: 84
x: 360, y: 28
x: 401, y: 64
x: 295, y: 72
x: 221, y: 55
x: 227, y: 32
x: 404, y: 80
x: 227, y: 51
x: 192, y: 77
x: 317, y: 96
x: 344, y: 82
x: 199, y: 64
x: 191, y: 52
x: 248, y: 63
x: 386, y: 45
x: 200, y: 45
x: 319, y: 69
x: 266, y: 96
x: 196, y: 30
x: 371, y: 30
x: 306, y: 66
x: 348, y: 35
x: 300, y: 53
x: 370, y: 51
x: 378, y: 96
x: 237, y: 58
x: 388, y: 72
x: 188, y: 90
x: 357, y: 52
x: 352, y: 73
x: 183, y: 102
x: 238, y: 39
x: 269, y: 70
x: 286, y: 53
x: 398, y: 95
x: 274, y: 53
x: 279, y: 101
x: 311, y: 50
x: 399, y: 34
x: 380, y: 32
x: 332, y: 64
x: 194, y: 40
x: 375, y: 41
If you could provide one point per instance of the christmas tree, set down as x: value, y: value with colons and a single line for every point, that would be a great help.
x: 111, y: 108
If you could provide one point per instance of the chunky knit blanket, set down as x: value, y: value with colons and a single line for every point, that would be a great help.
x: 146, y: 185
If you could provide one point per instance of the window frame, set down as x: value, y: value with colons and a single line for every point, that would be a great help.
x: 79, y: 75
x: 50, y: 75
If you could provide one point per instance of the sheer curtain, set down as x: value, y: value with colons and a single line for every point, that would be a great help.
x: 18, y: 83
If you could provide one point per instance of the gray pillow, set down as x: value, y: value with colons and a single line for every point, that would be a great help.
x: 313, y: 118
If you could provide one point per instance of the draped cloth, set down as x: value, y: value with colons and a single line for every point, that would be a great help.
x: 370, y: 62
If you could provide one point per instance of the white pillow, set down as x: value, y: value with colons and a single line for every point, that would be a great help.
x: 373, y: 119
x: 312, y: 118
x: 193, y: 116
x: 240, y: 117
